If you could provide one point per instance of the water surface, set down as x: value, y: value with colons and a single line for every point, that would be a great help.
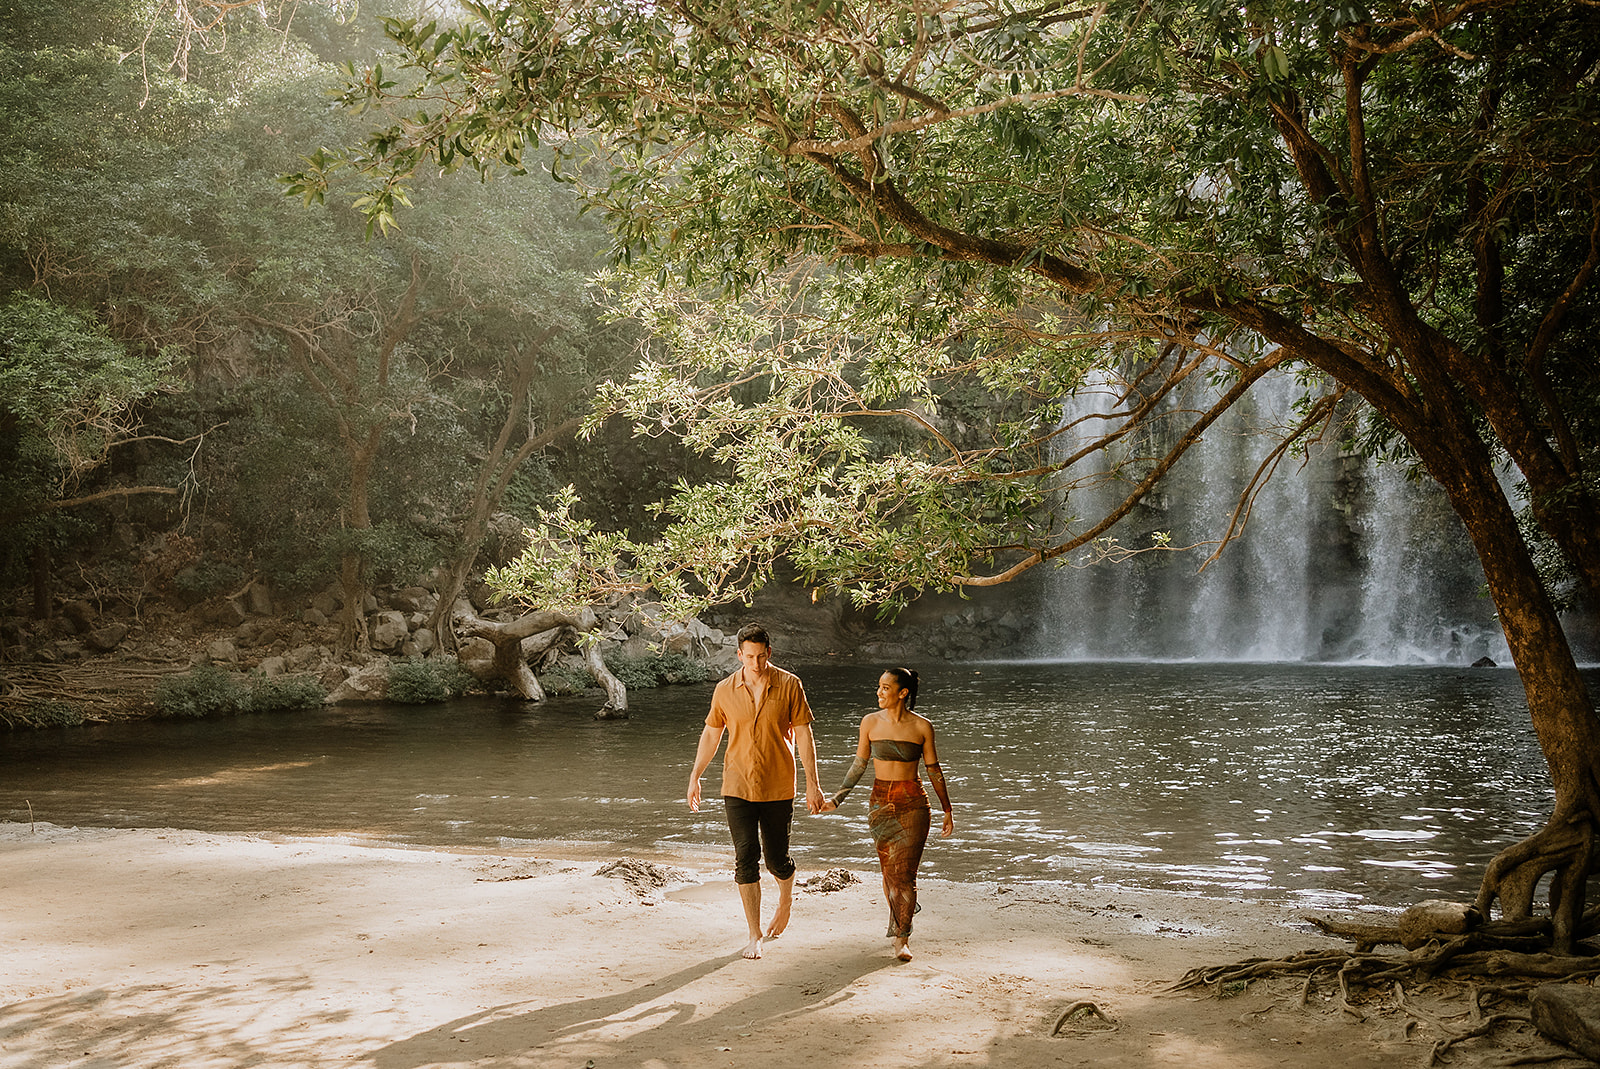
x: 1320, y: 784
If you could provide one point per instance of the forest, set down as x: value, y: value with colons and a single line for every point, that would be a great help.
x: 297, y: 301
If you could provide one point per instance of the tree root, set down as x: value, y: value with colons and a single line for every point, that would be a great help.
x: 1460, y: 961
x: 30, y: 693
x: 1078, y: 1012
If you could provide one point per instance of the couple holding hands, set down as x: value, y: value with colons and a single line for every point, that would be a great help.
x: 764, y: 712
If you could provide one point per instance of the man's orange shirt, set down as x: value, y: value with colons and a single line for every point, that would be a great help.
x: 759, y: 764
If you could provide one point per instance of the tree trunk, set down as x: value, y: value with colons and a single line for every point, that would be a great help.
x: 1558, y: 702
x: 516, y: 640
x: 616, y: 706
x: 43, y: 603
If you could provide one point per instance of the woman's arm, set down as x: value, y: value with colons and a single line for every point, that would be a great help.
x: 930, y: 757
x: 857, y: 768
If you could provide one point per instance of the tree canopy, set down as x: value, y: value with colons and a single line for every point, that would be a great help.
x: 898, y: 198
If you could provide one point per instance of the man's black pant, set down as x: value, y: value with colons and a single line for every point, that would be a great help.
x: 760, y: 829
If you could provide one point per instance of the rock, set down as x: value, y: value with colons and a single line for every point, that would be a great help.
x: 1484, y: 662
x: 273, y: 666
x: 413, y: 599
x: 389, y: 630
x: 1435, y: 917
x: 225, y: 613
x: 107, y: 638
x: 422, y: 641
x: 222, y: 651
x: 1568, y: 1014
x: 260, y: 599
x: 370, y: 684
x: 80, y: 614
x: 326, y: 603
x: 675, y: 638
x: 257, y: 631
x: 369, y: 605
x: 302, y: 657
x: 332, y: 676
x: 314, y: 617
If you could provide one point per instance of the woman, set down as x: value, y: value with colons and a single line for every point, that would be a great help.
x: 896, y: 739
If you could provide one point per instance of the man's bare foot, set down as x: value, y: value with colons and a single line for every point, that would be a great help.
x: 902, y: 949
x: 753, y: 948
x: 780, y: 916
x: 780, y: 919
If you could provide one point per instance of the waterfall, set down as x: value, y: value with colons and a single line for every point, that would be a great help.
x: 1342, y: 559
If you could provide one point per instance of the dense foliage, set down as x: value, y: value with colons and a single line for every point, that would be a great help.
x: 230, y: 363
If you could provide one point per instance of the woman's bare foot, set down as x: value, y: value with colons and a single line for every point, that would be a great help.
x: 753, y: 948
x: 902, y: 949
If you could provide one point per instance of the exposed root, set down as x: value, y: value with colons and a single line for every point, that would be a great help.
x: 1488, y: 1025
x: 1078, y: 1013
x: 47, y: 695
x: 1458, y: 962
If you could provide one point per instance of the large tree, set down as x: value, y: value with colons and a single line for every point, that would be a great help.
x: 1400, y: 198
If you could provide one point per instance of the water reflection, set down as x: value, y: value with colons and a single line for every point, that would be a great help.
x: 1327, y: 785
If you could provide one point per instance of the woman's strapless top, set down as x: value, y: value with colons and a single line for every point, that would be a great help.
x: 896, y: 750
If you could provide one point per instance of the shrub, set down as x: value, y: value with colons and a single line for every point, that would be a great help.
x: 43, y: 714
x: 210, y: 691
x: 565, y: 679
x: 278, y: 693
x: 656, y: 669
x: 204, y: 691
x: 208, y: 577
x: 415, y: 681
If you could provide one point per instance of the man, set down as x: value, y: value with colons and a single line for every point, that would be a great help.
x: 764, y: 711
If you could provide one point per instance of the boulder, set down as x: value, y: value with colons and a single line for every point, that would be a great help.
x: 370, y: 684
x: 225, y: 613
x: 222, y: 651
x: 1433, y: 918
x: 675, y: 638
x: 413, y: 599
x: 80, y: 614
x: 107, y: 638
x: 1568, y: 1014
x: 260, y: 599
x: 314, y: 617
x: 327, y: 603
x: 421, y: 643
x: 273, y: 666
x: 303, y: 657
x: 389, y: 630
x: 257, y: 631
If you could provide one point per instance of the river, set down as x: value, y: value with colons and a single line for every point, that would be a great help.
x: 1325, y: 785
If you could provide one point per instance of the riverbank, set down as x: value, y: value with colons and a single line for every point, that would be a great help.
x: 163, y: 947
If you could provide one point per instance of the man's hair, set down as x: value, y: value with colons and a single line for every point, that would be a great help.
x: 754, y: 633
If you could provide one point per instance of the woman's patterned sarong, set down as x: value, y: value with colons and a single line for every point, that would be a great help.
x: 899, y: 819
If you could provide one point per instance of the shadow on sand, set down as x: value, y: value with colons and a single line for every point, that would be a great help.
x: 513, y: 1029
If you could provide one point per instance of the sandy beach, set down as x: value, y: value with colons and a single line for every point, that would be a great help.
x: 178, y: 948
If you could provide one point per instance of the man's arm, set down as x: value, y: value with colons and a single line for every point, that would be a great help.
x: 805, y: 744
x: 710, y: 739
